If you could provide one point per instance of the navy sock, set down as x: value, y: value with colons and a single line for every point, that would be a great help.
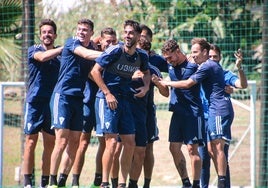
x: 44, y: 181
x: 75, y: 181
x: 27, y: 179
x: 62, y: 180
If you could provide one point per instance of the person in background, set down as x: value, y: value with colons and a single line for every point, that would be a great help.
x: 145, y: 123
x: 152, y: 129
x: 112, y: 73
x: 43, y: 65
x: 231, y: 80
x: 221, y: 113
x: 67, y: 101
x: 106, y: 39
x: 185, y: 105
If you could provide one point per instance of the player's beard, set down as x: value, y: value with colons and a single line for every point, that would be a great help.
x: 130, y: 43
x: 48, y: 41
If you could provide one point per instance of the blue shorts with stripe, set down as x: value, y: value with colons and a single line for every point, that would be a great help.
x: 219, y: 127
x: 67, y: 112
x: 118, y: 121
x: 186, y: 129
x: 37, y: 117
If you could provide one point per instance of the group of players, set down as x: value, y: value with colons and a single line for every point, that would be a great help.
x: 109, y: 85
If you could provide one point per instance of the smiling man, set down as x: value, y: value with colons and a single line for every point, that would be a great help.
x: 43, y: 65
x: 113, y: 73
x: 67, y: 100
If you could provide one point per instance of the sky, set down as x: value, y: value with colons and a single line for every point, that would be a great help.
x: 64, y: 7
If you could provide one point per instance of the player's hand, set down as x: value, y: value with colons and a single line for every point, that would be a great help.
x: 239, y: 58
x: 228, y: 89
x: 141, y: 91
x: 111, y: 101
x: 137, y: 75
x: 155, y: 79
x: 164, y: 82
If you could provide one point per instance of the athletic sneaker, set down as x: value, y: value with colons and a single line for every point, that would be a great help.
x: 28, y: 186
x: 75, y: 186
x: 94, y: 186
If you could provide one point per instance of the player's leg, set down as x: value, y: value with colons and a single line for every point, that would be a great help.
x: 115, y: 164
x: 69, y: 156
x: 128, y: 141
x: 98, y: 161
x: 205, y: 170
x: 107, y: 158
x: 28, y: 158
x: 80, y: 157
x: 196, y: 164
x: 48, y: 145
x: 205, y: 157
x: 176, y: 139
x: 148, y: 165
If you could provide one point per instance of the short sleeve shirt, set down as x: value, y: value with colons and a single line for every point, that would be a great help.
x: 185, y: 101
x: 73, y: 70
x: 211, y: 74
x: 42, y: 75
x: 119, y: 68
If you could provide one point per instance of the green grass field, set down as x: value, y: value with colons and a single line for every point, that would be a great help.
x: 164, y: 170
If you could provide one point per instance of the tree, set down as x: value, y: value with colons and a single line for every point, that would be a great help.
x: 10, y: 27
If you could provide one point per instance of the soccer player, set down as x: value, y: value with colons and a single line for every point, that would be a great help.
x: 185, y: 105
x: 112, y: 73
x: 221, y: 114
x: 231, y: 80
x: 67, y: 101
x: 43, y: 65
x: 152, y: 128
x: 144, y: 115
x: 106, y: 39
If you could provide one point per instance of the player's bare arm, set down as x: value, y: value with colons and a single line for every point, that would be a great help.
x: 183, y: 84
x: 96, y: 75
x: 163, y: 89
x: 146, y: 80
x: 242, y: 82
x: 87, y: 53
x: 48, y: 54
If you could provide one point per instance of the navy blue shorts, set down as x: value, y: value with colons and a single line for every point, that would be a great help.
x: 219, y: 127
x: 139, y: 110
x: 37, y: 117
x: 89, y: 117
x: 118, y: 121
x: 67, y: 112
x: 186, y: 129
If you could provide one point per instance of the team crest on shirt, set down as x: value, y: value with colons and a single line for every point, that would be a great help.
x: 29, y: 126
x: 182, y: 70
x: 107, y: 124
x: 61, y: 120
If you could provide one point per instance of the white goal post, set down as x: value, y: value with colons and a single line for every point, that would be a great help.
x: 2, y: 114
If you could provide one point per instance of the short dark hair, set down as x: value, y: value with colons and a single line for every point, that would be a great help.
x: 48, y: 22
x: 147, y: 29
x: 215, y: 48
x: 202, y: 42
x: 108, y: 31
x: 169, y: 46
x: 86, y: 21
x: 134, y: 24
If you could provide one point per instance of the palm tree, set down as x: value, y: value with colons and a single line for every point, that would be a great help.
x: 10, y: 27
